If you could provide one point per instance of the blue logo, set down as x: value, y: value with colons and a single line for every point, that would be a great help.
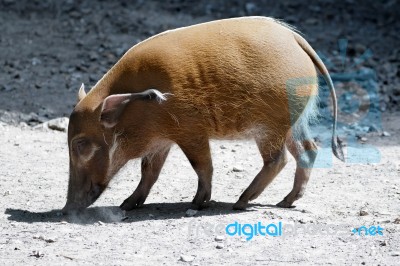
x: 251, y: 230
x: 368, y: 231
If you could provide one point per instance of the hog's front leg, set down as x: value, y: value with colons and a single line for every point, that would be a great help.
x: 151, y: 168
x: 197, y: 150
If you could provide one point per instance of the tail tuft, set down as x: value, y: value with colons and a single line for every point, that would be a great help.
x: 337, y: 148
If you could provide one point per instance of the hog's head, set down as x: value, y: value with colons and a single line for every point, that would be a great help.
x: 96, y: 146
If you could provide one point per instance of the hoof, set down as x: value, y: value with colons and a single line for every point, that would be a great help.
x: 128, y: 206
x: 240, y: 205
x: 284, y: 204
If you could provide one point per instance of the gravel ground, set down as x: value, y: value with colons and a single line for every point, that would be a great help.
x: 338, y: 199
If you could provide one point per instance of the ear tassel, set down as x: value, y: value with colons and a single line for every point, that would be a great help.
x: 160, y: 97
x: 81, y: 93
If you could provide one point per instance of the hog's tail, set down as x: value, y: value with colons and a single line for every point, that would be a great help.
x: 336, y: 142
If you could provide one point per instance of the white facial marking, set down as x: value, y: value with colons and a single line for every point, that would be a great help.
x: 114, y: 147
x: 88, y: 157
x: 113, y: 160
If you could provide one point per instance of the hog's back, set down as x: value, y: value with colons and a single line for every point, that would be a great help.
x: 228, y: 78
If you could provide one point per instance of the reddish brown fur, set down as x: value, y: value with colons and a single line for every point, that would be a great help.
x: 224, y: 79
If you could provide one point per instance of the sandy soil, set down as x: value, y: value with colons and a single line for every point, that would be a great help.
x: 33, y: 184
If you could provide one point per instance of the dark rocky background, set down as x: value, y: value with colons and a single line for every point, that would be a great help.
x: 48, y: 48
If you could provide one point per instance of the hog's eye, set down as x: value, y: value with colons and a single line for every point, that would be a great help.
x: 81, y: 146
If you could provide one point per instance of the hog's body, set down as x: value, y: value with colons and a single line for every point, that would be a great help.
x: 236, y: 78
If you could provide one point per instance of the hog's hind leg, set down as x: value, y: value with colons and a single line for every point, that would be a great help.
x: 274, y: 160
x: 304, y: 151
x: 151, y: 168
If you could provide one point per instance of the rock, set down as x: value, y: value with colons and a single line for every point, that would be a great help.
x: 75, y: 14
x: 219, y: 238
x: 93, y: 56
x: 191, y: 213
x: 23, y: 125
x: 93, y: 78
x: 250, y: 8
x: 38, y: 237
x: 361, y: 138
x: 395, y: 254
x: 358, y: 135
x: 42, y: 127
x: 59, y: 124
x: 47, y: 239
x: 222, y: 147
x: 44, y: 112
x: 220, y: 246
x: 385, y: 134
x: 32, y: 118
x: 120, y: 51
x: 186, y: 258
x: 50, y: 240
x: 397, y: 221
x: 373, y: 128
x: 36, y: 61
x: 37, y: 254
x: 383, y: 243
x: 237, y: 169
x: 6, y: 87
x: 8, y: 192
x: 363, y: 211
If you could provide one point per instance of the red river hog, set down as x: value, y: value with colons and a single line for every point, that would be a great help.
x: 241, y: 78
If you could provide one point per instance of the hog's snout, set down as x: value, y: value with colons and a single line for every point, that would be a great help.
x: 78, y: 201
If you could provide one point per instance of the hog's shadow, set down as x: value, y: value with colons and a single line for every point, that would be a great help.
x: 113, y: 214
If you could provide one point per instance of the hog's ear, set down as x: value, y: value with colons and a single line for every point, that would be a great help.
x: 114, y: 105
x: 112, y: 108
x: 81, y: 93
